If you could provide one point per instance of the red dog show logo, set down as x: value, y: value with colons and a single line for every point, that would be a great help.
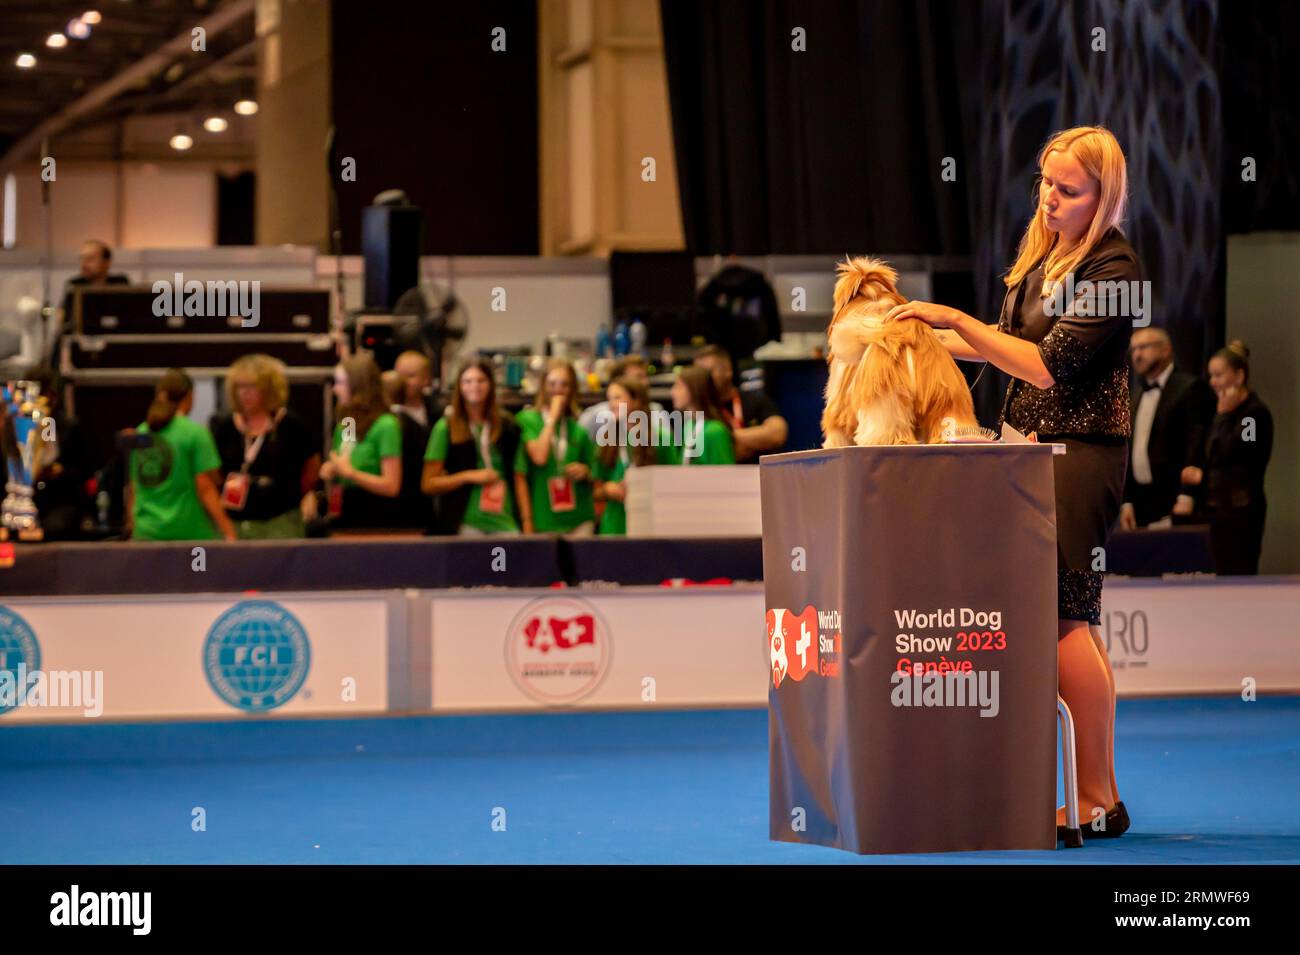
x: 803, y: 643
x: 558, y: 650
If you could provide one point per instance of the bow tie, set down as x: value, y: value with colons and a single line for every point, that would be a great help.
x: 1149, y: 385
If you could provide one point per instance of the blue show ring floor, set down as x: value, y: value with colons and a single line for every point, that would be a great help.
x: 1205, y: 780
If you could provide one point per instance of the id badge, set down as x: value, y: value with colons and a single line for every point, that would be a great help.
x: 561, y: 493
x: 492, y: 497
x: 336, y: 500
x: 234, y: 493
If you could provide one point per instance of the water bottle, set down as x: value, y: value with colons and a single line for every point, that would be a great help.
x: 638, y: 338
x: 621, y: 340
x: 604, y: 346
x: 666, y: 357
x: 102, y: 501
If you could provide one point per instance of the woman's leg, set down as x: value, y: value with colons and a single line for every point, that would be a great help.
x: 1082, y: 678
x: 1110, y: 678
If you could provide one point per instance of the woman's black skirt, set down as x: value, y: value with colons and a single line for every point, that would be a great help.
x: 1089, y: 491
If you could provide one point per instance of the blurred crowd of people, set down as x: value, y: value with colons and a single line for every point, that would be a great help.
x: 399, y: 460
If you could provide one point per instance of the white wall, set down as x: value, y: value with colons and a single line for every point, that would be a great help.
x: 139, y: 204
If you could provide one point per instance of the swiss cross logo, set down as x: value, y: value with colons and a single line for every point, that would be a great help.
x: 560, y: 633
x: 558, y: 649
x: 793, y: 640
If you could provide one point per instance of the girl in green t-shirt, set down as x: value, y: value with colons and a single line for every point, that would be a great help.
x: 175, y: 470
x: 694, y: 394
x: 366, y: 454
x: 559, y: 455
x: 475, y: 461
x: 618, y: 449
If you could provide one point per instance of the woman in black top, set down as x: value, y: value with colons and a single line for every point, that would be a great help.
x: 269, y: 457
x: 1064, y: 341
x: 1237, y: 450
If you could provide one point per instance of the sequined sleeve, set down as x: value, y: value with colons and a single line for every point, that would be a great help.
x: 1096, y: 313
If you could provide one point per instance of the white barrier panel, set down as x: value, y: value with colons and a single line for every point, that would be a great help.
x: 697, y: 501
x: 642, y: 646
x: 207, y: 656
x: 200, y: 656
x: 1202, y: 635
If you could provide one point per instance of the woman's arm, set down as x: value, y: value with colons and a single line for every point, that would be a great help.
x: 1017, y: 357
x: 386, y: 484
x: 768, y: 436
x: 539, y: 449
x: 310, y: 472
x: 957, y: 346
x: 524, y: 498
x: 434, y: 479
x: 205, y: 484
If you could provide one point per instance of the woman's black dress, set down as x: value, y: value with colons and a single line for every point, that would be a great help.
x: 1236, y: 456
x: 1086, y: 409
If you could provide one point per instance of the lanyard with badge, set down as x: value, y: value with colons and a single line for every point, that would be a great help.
x: 689, y: 438
x: 234, y: 493
x: 492, y: 496
x: 346, y: 447
x: 559, y: 488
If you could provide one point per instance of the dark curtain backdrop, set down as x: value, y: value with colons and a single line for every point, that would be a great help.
x: 1261, y: 41
x: 838, y: 149
x: 422, y: 103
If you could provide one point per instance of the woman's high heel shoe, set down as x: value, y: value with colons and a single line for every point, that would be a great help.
x: 1117, y: 823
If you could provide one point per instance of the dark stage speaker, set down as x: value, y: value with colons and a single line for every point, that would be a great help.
x: 390, y: 241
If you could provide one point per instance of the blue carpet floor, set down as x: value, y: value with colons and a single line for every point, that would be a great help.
x: 1205, y: 780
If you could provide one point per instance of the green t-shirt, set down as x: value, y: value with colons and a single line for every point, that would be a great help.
x: 614, y: 518
x: 383, y: 440
x: 167, y: 505
x: 718, y: 447
x: 580, y: 448
x: 489, y: 523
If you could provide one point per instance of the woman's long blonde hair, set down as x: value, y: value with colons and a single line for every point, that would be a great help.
x: 1099, y: 153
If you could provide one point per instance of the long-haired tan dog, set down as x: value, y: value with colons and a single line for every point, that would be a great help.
x: 890, y: 382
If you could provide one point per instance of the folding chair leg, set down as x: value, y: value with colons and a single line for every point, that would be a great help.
x: 1074, y: 835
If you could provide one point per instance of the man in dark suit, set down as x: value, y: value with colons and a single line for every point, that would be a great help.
x: 1171, y: 410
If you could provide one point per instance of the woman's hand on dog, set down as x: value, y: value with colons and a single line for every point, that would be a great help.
x: 933, y: 314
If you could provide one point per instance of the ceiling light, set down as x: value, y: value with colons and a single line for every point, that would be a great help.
x: 91, y: 16
x: 56, y: 40
x: 180, y: 142
x: 78, y: 29
x: 25, y: 61
x: 246, y: 107
x: 215, y: 124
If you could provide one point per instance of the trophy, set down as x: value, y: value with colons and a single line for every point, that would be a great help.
x: 23, y: 415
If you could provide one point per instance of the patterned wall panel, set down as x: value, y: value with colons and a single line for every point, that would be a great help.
x: 1156, y: 87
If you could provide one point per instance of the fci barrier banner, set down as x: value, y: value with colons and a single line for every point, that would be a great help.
x: 911, y: 626
x: 201, y: 657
